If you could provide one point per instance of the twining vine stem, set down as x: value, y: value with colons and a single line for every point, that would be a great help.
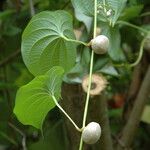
x: 145, y: 14
x: 132, y: 25
x: 91, y: 68
x: 104, y: 3
x: 57, y: 104
x: 90, y: 75
x: 137, y: 60
x: 141, y: 46
x: 140, y: 54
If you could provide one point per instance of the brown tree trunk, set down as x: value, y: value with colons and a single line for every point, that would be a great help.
x: 73, y: 104
x: 99, y: 113
x: 130, y: 128
x: 133, y: 90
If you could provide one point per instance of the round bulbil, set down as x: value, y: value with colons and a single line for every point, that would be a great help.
x: 100, y: 44
x: 91, y: 133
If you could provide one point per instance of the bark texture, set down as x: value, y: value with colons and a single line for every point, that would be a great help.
x: 99, y: 114
x: 73, y: 104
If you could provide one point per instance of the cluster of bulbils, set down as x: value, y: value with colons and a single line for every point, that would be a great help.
x: 92, y: 132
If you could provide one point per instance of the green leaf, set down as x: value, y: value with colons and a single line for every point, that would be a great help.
x: 146, y: 113
x: 101, y: 62
x: 86, y: 7
x: 4, y: 114
x: 117, y: 7
x: 23, y: 78
x: 43, y: 45
x: 11, y: 30
x: 114, y: 50
x: 109, y: 69
x: 131, y: 12
x: 54, y: 135
x: 85, y: 19
x: 85, y: 58
x: 34, y: 100
x: 6, y: 14
x: 84, y: 10
x: 76, y: 74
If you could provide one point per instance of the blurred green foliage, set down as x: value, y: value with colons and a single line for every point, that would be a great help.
x: 14, y: 16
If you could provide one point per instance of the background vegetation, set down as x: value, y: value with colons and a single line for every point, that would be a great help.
x: 126, y: 95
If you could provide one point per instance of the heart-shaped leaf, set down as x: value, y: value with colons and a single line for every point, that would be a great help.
x: 34, y: 100
x: 43, y: 45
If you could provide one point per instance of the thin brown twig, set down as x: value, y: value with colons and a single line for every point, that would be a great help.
x: 118, y: 141
x: 99, y: 113
x: 9, y: 58
x: 133, y: 90
x: 106, y: 140
x: 21, y: 133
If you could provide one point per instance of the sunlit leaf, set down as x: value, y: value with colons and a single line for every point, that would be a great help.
x: 34, y: 100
